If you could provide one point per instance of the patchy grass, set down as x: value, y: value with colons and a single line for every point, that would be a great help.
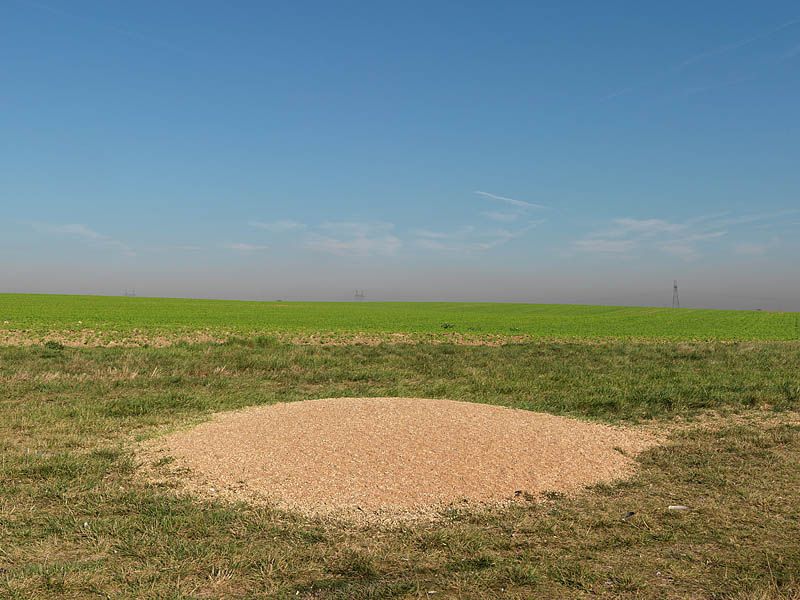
x: 75, y: 522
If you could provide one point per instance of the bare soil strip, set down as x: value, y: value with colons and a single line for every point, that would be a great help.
x: 394, y: 455
x: 90, y: 338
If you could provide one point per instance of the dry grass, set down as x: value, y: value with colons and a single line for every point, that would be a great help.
x: 76, y: 522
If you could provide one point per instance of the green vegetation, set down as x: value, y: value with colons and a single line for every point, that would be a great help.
x: 75, y: 521
x: 42, y: 314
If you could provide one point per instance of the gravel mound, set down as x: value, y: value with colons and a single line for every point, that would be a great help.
x: 378, y: 455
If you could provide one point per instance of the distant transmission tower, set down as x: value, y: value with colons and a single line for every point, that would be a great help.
x: 360, y: 295
x: 676, y: 301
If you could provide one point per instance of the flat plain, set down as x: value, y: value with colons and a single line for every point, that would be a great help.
x: 76, y: 520
x: 116, y: 316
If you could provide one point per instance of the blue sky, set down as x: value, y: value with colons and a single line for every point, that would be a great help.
x: 589, y: 152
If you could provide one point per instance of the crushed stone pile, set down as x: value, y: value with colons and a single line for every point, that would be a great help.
x: 395, y: 454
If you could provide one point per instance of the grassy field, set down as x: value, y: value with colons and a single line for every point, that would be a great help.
x: 112, y: 317
x: 77, y: 522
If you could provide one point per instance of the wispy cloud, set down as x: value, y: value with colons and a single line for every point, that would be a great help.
x: 84, y: 233
x: 74, y: 229
x: 341, y: 238
x: 756, y: 248
x: 511, y: 201
x: 468, y: 239
x: 358, y: 238
x: 725, y: 48
x: 680, y: 239
x: 462, y: 240
x: 728, y: 221
x: 173, y: 248
x: 245, y: 248
x: 444, y: 235
x: 626, y: 235
x: 354, y: 239
x: 282, y: 226
x: 645, y: 227
x: 516, y: 210
x: 502, y: 236
x: 604, y: 246
x: 501, y: 217
x: 707, y: 54
x: 687, y: 246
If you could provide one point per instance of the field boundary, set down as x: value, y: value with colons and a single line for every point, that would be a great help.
x: 90, y: 338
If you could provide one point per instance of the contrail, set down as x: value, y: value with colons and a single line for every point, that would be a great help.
x: 511, y: 201
x: 718, y: 51
x: 731, y: 47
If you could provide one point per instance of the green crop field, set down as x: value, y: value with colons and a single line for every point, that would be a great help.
x: 44, y: 313
x: 77, y: 520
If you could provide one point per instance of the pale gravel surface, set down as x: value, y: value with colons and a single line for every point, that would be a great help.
x: 379, y: 455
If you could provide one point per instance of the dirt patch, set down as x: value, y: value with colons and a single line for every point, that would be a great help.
x: 393, y: 456
x: 90, y: 338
